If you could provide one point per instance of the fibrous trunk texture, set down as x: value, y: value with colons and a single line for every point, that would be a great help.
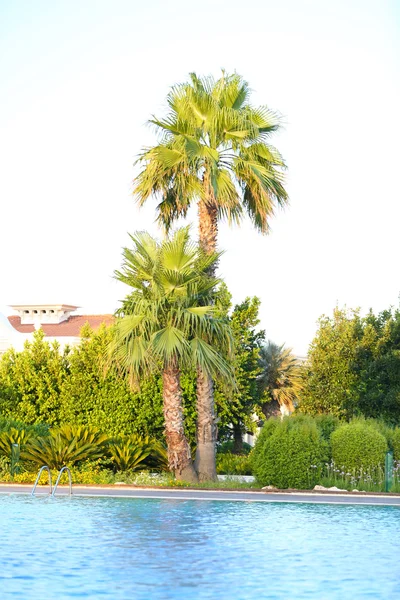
x: 208, y: 229
x: 206, y: 431
x: 179, y: 455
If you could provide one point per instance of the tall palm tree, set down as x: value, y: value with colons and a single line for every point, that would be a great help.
x: 280, y: 379
x: 167, y: 324
x: 213, y: 150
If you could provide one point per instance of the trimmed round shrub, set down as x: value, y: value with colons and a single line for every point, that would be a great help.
x: 289, y: 453
x: 358, y: 445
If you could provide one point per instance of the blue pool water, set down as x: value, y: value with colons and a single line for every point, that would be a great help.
x: 107, y: 548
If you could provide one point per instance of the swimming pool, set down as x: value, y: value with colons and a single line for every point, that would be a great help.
x: 120, y: 548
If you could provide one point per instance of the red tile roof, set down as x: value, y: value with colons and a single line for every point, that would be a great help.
x: 69, y: 328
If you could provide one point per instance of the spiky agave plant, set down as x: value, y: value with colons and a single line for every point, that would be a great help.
x: 129, y: 453
x: 21, y: 437
x: 66, y: 446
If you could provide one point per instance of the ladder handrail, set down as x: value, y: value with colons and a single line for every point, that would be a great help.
x: 58, y: 481
x: 44, y: 468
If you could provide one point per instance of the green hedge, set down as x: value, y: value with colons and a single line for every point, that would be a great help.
x: 289, y: 453
x: 358, y: 445
x: 395, y: 443
x: 327, y: 424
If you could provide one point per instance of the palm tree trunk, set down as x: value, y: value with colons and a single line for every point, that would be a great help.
x: 208, y: 229
x: 206, y: 428
x: 179, y: 455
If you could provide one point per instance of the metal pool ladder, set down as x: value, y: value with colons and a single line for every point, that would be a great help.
x: 58, y: 481
x: 44, y: 468
x: 53, y: 490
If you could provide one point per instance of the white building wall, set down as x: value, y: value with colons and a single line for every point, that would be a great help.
x: 11, y: 338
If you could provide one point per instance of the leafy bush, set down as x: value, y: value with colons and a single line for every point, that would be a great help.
x: 39, y: 429
x: 358, y: 445
x: 66, y: 446
x: 289, y: 453
x: 233, y: 464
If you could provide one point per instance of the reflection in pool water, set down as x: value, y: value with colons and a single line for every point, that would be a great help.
x: 167, y: 549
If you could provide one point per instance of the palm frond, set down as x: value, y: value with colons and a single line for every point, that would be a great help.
x: 171, y: 303
x: 214, y: 148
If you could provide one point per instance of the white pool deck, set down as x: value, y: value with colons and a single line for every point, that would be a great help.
x: 186, y: 494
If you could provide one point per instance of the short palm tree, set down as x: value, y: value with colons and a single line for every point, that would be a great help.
x: 214, y: 150
x: 280, y: 378
x: 167, y: 324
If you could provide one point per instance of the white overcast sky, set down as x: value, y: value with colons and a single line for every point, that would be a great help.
x: 79, y: 79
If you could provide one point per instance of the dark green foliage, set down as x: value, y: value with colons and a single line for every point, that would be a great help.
x: 41, y: 386
x: 358, y: 445
x: 227, y: 447
x: 39, y: 429
x: 327, y: 424
x: 84, y: 394
x: 91, y: 396
x: 354, y: 366
x: 330, y: 383
x: 289, y: 453
x: 236, y: 406
x: 233, y: 464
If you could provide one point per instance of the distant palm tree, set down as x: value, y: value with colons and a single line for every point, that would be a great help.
x: 167, y: 324
x: 213, y: 150
x: 280, y: 379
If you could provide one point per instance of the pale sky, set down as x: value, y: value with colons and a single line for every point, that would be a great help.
x: 80, y: 78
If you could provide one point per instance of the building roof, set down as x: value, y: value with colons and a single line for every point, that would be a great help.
x: 69, y: 328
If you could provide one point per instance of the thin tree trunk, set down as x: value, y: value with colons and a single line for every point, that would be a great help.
x: 237, y: 439
x: 179, y: 455
x: 206, y: 428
